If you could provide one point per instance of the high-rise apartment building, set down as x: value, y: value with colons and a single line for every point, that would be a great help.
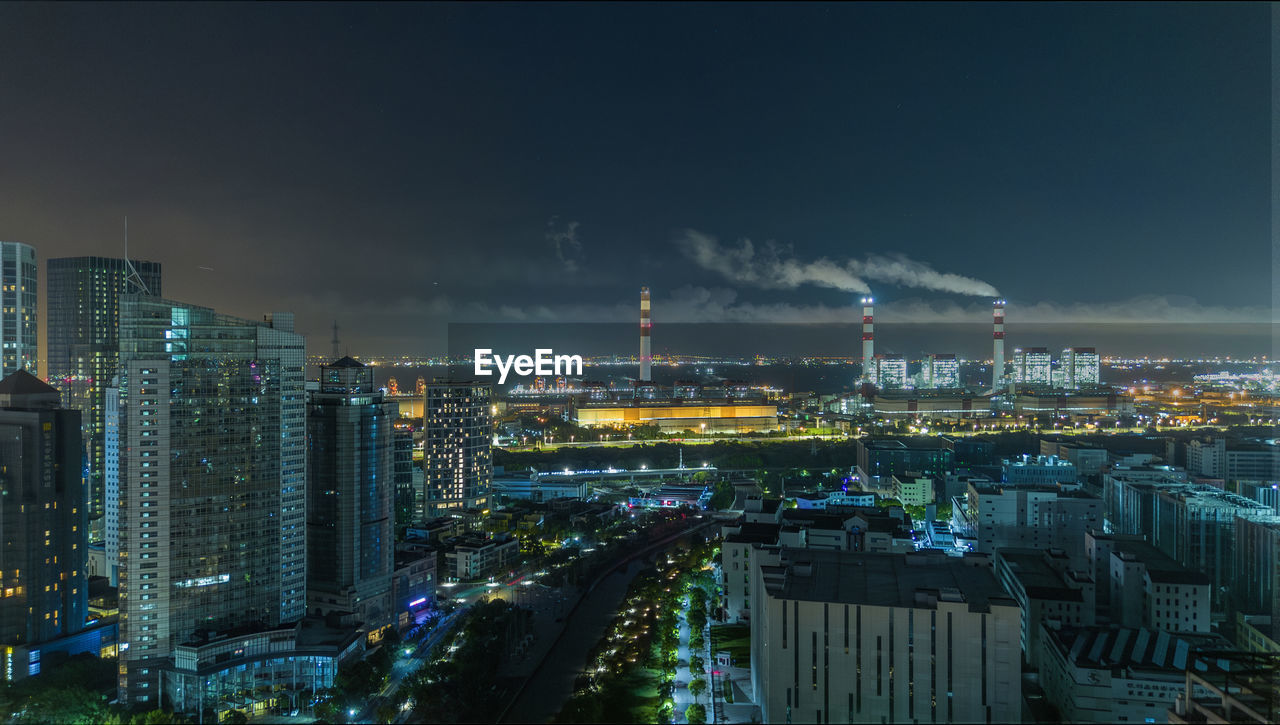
x: 891, y: 372
x: 350, y: 520
x: 83, y: 296
x: 43, y: 545
x: 941, y: 371
x: 18, y: 303
x: 1080, y: 367
x: 457, y: 446
x: 1032, y: 366
x: 212, y: 483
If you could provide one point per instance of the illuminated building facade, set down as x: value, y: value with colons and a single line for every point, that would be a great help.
x: 457, y: 447
x: 1080, y: 366
x: 17, y: 308
x: 1033, y: 366
x: 677, y: 415
x: 891, y: 372
x: 212, y: 481
x: 350, y: 519
x: 941, y: 371
x: 84, y: 314
x: 44, y: 593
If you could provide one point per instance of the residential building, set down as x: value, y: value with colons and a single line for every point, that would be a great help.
x: 1080, y: 367
x: 83, y: 295
x: 1038, y: 471
x: 1032, y: 366
x: 941, y: 371
x: 18, y: 309
x: 350, y: 519
x: 457, y: 447
x: 212, y: 486
x: 44, y: 588
x: 842, y: 636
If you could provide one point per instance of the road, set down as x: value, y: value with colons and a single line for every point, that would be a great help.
x: 405, y: 666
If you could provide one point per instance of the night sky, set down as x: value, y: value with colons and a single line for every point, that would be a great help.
x: 399, y: 167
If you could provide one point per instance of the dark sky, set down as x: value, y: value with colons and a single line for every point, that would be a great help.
x: 396, y: 167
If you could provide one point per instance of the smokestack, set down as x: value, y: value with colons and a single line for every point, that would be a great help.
x: 646, y: 357
x: 997, y: 345
x: 868, y: 340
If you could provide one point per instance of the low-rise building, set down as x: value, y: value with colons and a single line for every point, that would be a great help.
x: 913, y: 490
x: 474, y: 557
x: 413, y: 584
x: 1110, y: 675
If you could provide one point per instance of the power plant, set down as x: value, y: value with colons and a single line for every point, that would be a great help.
x: 868, y: 340
x: 997, y: 345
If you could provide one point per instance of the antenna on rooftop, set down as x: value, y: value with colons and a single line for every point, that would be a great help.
x: 335, y: 339
x: 131, y: 276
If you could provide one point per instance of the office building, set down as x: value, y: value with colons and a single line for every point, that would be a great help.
x: 83, y: 296
x: 941, y: 371
x: 1148, y: 589
x: 406, y: 477
x: 912, y: 490
x: 212, y: 489
x: 457, y: 447
x: 1239, y: 461
x: 1080, y: 367
x: 18, y: 305
x: 1196, y: 527
x: 350, y: 519
x: 1256, y: 566
x: 1047, y: 590
x: 842, y: 636
x: 884, y: 457
x: 1037, y: 517
x: 43, y: 582
x: 1041, y: 471
x: 1032, y: 366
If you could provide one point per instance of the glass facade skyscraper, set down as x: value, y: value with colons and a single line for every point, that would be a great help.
x: 350, y: 488
x: 83, y: 296
x: 212, y: 473
x: 18, y: 302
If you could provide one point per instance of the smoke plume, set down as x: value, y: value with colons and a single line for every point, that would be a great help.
x: 772, y: 266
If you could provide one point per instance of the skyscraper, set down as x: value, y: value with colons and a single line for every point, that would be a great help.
x: 211, y: 481
x: 43, y: 583
x: 17, y: 308
x: 350, y: 520
x: 83, y: 296
x: 458, y: 437
x: 1080, y: 365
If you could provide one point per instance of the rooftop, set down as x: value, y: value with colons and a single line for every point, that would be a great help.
x: 1107, y: 647
x: 887, y: 580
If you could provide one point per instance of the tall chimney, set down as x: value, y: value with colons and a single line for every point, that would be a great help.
x: 868, y: 340
x: 997, y: 346
x: 646, y: 357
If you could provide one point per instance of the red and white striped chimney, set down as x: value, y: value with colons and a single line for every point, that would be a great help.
x: 997, y: 344
x: 868, y: 340
x: 646, y: 357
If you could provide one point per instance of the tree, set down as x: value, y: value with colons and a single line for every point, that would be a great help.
x: 697, y: 687
x: 237, y: 717
x: 696, y: 664
x: 695, y: 714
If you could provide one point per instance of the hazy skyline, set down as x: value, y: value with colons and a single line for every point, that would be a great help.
x: 400, y: 167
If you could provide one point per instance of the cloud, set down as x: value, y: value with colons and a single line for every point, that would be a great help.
x: 566, y: 243
x: 772, y: 266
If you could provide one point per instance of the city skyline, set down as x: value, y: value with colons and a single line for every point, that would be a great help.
x: 933, y: 156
